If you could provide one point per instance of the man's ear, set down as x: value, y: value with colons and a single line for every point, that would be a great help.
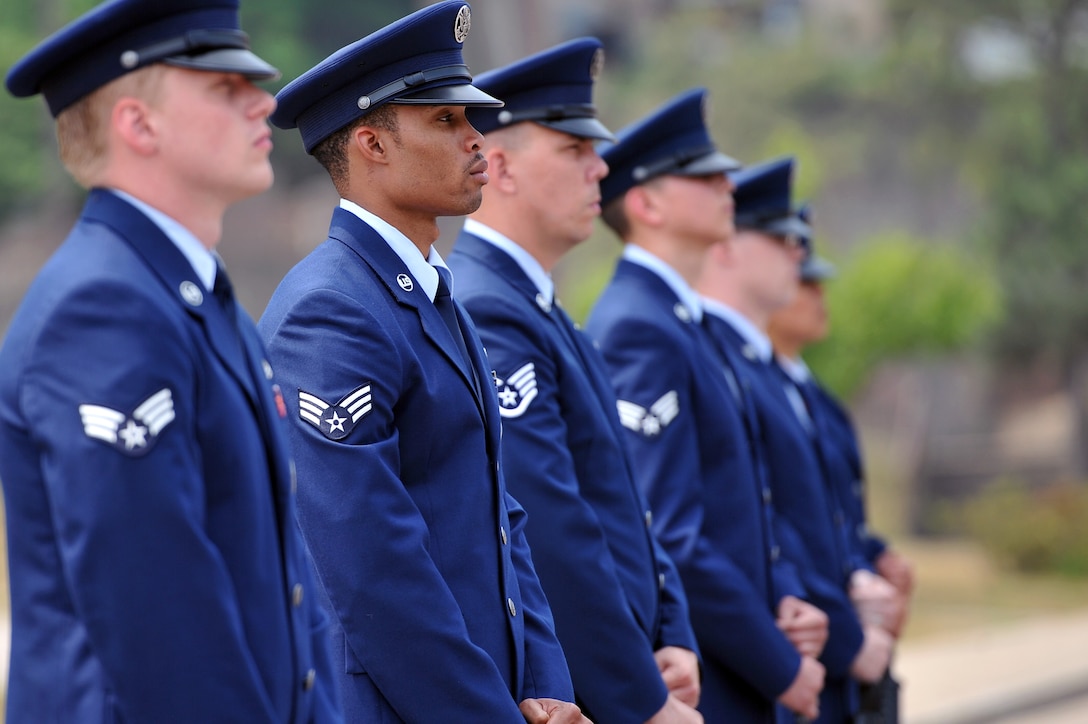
x: 722, y: 253
x: 134, y: 124
x: 501, y: 169
x: 642, y: 203
x: 372, y: 143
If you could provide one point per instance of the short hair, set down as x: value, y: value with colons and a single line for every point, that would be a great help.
x: 331, y: 153
x: 82, y: 128
x: 615, y: 217
x: 510, y: 137
x: 614, y: 213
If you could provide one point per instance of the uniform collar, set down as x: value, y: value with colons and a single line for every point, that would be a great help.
x: 682, y: 290
x: 422, y: 270
x: 751, y: 334
x: 198, y: 256
x: 796, y: 368
x: 540, y: 278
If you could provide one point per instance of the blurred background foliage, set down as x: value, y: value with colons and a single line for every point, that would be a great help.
x: 1031, y: 530
x: 944, y: 146
x: 906, y: 298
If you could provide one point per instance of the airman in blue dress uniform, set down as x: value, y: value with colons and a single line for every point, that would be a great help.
x: 791, y: 329
x: 742, y: 284
x: 619, y: 606
x: 157, y: 572
x: 437, y: 611
x: 668, y: 197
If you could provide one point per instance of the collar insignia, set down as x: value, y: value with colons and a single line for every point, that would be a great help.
x: 191, y: 293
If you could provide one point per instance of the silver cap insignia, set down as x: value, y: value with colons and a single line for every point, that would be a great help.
x: 462, y: 24
x: 596, y: 64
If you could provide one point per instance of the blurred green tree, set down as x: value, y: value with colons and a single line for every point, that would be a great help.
x: 288, y: 33
x: 1006, y: 84
x: 903, y: 297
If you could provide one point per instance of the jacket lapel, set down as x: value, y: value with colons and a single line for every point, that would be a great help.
x: 391, y: 271
x: 174, y: 270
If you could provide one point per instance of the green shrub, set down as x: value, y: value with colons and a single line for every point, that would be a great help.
x: 1040, y: 530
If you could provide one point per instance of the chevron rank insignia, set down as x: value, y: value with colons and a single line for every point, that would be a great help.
x: 516, y: 391
x: 653, y: 421
x: 133, y: 434
x: 335, y: 421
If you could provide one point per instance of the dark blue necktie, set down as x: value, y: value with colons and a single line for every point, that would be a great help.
x: 223, y: 291
x: 443, y: 302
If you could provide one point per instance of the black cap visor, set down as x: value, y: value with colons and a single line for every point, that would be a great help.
x: 711, y: 163
x: 780, y: 226
x: 581, y: 128
x: 226, y: 60
x: 449, y: 95
x: 816, y: 269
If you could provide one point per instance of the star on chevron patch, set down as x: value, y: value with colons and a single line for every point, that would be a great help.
x: 335, y: 421
x: 516, y: 391
x: 652, y: 421
x: 134, y: 434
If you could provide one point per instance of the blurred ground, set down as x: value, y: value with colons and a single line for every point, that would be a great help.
x: 1029, y: 671
x: 985, y: 645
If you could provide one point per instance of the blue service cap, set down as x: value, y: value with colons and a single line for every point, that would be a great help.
x: 813, y: 268
x: 120, y: 36
x: 413, y: 61
x: 553, y: 88
x: 804, y: 213
x: 762, y: 199
x: 672, y: 140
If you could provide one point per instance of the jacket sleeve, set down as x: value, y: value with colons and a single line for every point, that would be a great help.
x: 609, y: 654
x: 326, y: 707
x: 731, y: 617
x: 547, y: 673
x: 845, y: 635
x: 676, y: 627
x: 142, y: 571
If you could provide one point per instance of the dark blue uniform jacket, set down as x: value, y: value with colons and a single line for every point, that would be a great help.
x: 810, y: 521
x: 437, y: 611
x: 614, y: 592
x: 157, y: 572
x: 694, y: 464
